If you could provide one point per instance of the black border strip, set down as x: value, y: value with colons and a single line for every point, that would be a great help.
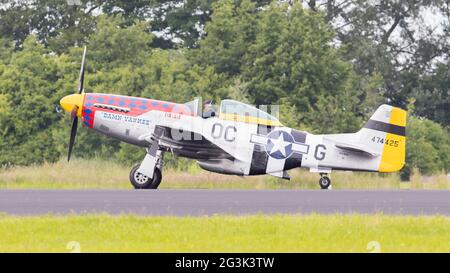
x: 295, y: 160
x: 385, y: 127
x: 260, y: 157
x: 224, y: 262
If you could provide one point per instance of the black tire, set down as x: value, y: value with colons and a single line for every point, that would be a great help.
x: 324, y: 182
x: 140, y: 181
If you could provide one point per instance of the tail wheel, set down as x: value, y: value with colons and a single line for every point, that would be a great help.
x: 324, y: 182
x: 141, y: 181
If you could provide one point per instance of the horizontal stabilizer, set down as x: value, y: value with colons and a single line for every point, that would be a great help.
x: 357, y: 148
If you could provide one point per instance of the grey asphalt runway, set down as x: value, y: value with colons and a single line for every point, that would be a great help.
x: 210, y: 202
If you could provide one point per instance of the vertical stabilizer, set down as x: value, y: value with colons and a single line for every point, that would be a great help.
x: 385, y: 132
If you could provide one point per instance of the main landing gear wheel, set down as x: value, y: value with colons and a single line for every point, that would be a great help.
x: 324, y: 182
x: 141, y: 181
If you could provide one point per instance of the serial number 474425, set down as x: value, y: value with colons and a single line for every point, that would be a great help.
x: 388, y: 142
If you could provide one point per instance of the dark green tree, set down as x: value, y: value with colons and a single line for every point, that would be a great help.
x: 404, y: 41
x: 287, y: 52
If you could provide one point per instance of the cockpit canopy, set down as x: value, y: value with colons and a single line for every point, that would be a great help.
x: 235, y: 111
x: 238, y: 111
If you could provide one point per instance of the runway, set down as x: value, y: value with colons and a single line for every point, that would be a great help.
x: 210, y: 202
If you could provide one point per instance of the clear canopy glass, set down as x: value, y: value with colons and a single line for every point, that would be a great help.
x: 235, y: 108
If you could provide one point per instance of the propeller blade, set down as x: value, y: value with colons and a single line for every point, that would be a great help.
x: 73, y: 133
x: 81, y: 80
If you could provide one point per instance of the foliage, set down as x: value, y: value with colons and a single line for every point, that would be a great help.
x: 427, y: 146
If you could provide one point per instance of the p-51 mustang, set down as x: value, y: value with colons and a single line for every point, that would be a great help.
x: 239, y: 139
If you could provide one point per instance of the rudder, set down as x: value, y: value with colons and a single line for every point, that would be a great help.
x: 392, y: 121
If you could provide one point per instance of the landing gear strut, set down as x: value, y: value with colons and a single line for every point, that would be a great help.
x: 141, y: 181
x: 324, y: 181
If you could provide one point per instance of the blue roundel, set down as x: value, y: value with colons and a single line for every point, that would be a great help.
x: 279, y: 144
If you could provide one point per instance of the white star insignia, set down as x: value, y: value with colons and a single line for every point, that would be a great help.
x: 279, y: 144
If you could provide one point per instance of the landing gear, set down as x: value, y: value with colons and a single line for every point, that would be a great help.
x: 324, y: 181
x: 141, y: 181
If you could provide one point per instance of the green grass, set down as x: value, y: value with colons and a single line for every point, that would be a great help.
x: 257, y: 233
x: 87, y: 174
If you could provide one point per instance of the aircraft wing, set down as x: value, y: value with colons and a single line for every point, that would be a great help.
x: 195, y: 146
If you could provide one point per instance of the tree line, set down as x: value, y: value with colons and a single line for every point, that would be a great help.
x: 328, y: 64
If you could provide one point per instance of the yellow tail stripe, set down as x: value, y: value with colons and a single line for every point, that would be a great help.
x: 398, y: 117
x: 393, y: 157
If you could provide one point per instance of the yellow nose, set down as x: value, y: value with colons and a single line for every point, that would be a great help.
x: 71, y: 102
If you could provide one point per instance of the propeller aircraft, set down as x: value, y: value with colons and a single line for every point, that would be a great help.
x: 237, y: 139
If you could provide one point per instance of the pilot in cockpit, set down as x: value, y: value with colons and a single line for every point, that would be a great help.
x: 208, y: 109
